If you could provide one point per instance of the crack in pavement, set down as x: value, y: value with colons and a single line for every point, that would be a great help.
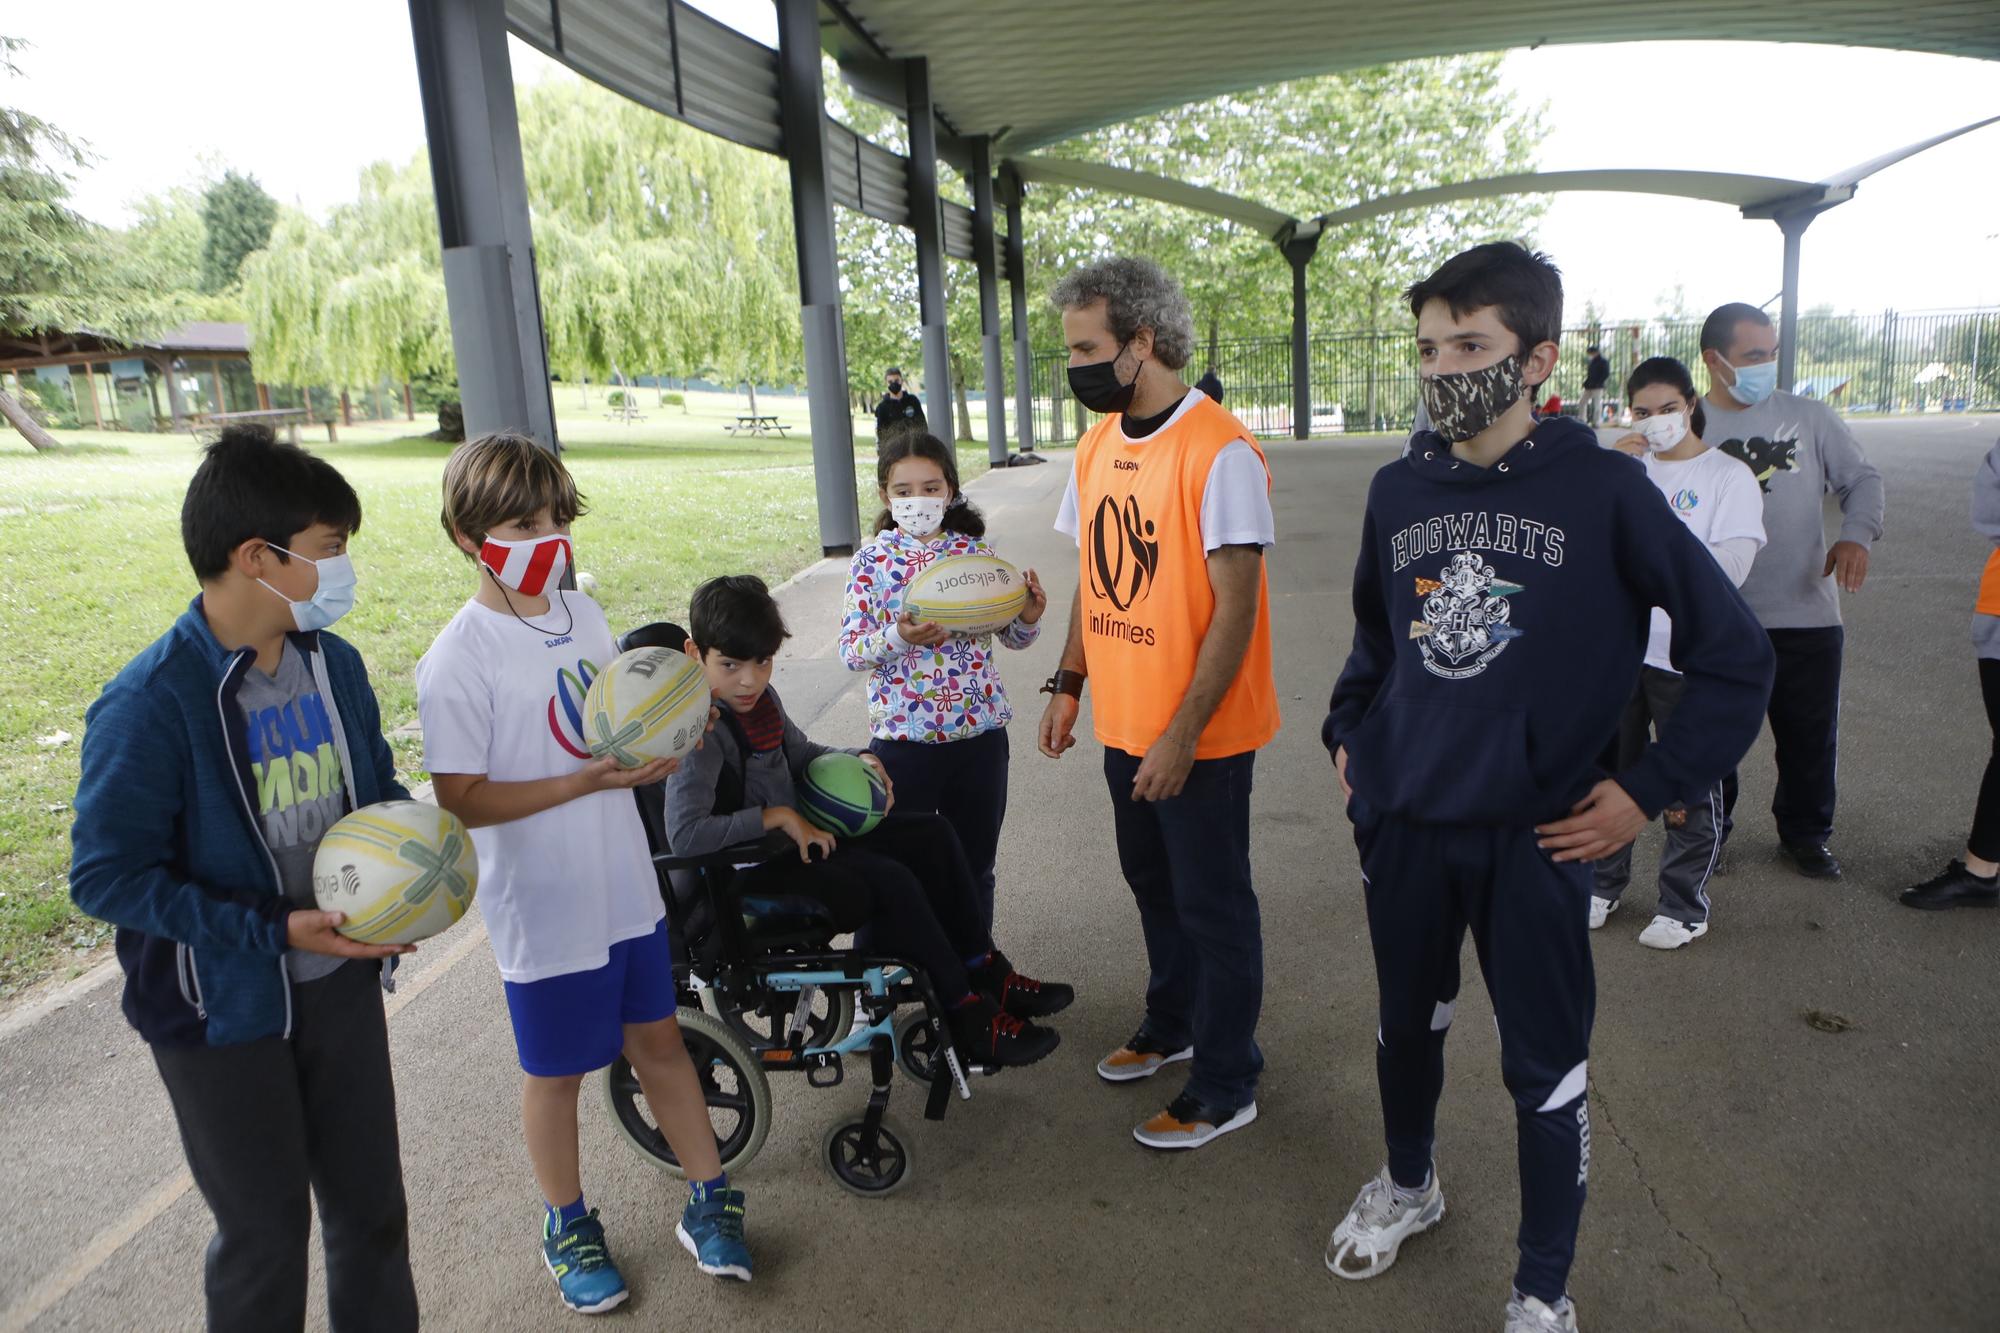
x: 1653, y: 1195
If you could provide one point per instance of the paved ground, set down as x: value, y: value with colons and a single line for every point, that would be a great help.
x: 1750, y: 1171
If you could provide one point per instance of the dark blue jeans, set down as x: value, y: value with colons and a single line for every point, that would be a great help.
x: 966, y: 782
x: 1188, y: 862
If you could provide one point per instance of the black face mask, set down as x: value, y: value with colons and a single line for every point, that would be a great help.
x: 895, y: 386
x: 1096, y: 385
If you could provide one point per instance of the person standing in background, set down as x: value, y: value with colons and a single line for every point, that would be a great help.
x: 1799, y: 451
x: 899, y: 409
x: 1595, y: 376
x: 1975, y: 881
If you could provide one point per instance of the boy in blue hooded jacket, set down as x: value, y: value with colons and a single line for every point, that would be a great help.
x: 212, y: 766
x: 1502, y: 599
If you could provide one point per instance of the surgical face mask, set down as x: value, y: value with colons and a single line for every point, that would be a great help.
x: 332, y: 599
x: 1466, y: 402
x: 530, y: 567
x: 1754, y: 383
x: 1663, y: 430
x: 1097, y: 386
x: 919, y: 515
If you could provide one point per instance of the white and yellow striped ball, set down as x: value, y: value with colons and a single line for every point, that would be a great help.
x: 650, y: 703
x: 402, y: 871
x: 967, y: 594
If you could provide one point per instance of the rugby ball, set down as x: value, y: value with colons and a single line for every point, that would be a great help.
x: 843, y: 795
x: 402, y: 871
x: 650, y: 703
x: 967, y: 594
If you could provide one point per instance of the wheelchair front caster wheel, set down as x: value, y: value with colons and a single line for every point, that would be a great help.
x: 870, y: 1171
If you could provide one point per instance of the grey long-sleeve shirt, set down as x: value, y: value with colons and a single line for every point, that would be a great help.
x: 1986, y: 522
x: 693, y: 827
x: 1800, y: 451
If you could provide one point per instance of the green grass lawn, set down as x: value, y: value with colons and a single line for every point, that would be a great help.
x: 91, y: 570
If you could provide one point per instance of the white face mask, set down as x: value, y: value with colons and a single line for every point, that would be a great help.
x: 1663, y: 430
x: 918, y: 515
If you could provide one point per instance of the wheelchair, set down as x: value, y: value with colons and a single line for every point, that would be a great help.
x: 762, y: 990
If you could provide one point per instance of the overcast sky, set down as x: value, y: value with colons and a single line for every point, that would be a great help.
x: 303, y: 103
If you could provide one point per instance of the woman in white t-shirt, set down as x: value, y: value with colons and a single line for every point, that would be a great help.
x: 1719, y: 500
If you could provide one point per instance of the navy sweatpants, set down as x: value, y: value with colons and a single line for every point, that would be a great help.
x: 1427, y: 884
x: 966, y: 782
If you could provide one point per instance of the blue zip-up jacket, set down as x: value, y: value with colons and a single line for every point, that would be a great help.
x: 1500, y: 623
x: 166, y: 844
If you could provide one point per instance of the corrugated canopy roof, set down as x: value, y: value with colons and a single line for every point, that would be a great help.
x: 1030, y: 72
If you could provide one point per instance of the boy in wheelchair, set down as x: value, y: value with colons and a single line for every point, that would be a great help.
x: 905, y: 886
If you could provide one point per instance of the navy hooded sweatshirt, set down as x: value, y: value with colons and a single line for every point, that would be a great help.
x: 1500, y: 624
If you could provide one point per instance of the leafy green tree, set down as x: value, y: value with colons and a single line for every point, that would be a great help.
x: 237, y: 216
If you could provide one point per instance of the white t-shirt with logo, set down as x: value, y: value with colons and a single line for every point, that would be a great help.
x: 1719, y: 500
x: 1235, y: 504
x: 503, y: 698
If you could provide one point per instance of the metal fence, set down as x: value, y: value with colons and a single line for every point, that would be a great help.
x: 1930, y: 361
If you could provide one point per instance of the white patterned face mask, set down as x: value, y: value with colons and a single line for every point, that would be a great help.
x: 1466, y: 402
x: 918, y: 515
x: 1663, y: 430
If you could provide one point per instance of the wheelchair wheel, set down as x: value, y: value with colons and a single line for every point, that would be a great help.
x: 871, y: 1175
x: 738, y: 1096
x: 918, y: 1049
x: 828, y: 1021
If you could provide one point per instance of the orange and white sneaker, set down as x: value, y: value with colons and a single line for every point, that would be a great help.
x: 1141, y: 1057
x: 1188, y: 1123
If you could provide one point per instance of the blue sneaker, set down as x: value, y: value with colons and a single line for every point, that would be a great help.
x: 712, y: 1231
x: 584, y: 1274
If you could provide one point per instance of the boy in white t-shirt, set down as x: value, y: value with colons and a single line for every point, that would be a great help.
x: 1718, y: 498
x: 566, y: 882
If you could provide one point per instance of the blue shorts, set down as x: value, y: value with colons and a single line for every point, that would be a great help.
x: 574, y: 1023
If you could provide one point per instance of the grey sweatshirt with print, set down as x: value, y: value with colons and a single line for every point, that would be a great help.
x: 1800, y: 452
x: 1986, y: 522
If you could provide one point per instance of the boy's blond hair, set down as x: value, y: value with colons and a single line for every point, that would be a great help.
x: 501, y: 477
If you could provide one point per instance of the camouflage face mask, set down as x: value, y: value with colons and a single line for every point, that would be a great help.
x: 1465, y: 403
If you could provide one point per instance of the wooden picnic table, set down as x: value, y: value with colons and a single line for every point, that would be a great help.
x: 747, y: 424
x: 289, y: 417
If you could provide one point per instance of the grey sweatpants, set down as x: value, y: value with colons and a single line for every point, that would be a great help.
x: 270, y: 1124
x: 1687, y: 862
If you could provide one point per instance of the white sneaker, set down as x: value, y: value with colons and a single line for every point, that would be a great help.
x: 1667, y: 933
x: 1381, y: 1219
x: 1527, y: 1314
x: 1600, y: 909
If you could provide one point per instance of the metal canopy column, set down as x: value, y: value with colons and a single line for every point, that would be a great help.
x: 482, y: 206
x: 1794, y: 226
x: 927, y: 221
x: 802, y: 99
x: 1017, y: 284
x: 1298, y: 249
x: 989, y: 301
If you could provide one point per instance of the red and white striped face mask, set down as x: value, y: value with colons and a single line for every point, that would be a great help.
x: 529, y: 567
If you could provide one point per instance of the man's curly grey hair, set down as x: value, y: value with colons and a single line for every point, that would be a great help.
x: 1137, y: 294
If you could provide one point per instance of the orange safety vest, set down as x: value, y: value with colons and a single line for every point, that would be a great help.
x: 1989, y: 587
x: 1143, y: 584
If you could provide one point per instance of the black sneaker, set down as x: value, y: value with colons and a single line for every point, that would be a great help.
x: 1956, y: 887
x: 985, y: 1034
x: 1021, y: 996
x: 1812, y: 859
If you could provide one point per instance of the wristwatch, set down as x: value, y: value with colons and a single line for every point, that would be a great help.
x: 1065, y: 682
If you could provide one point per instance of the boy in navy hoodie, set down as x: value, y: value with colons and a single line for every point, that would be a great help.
x: 212, y: 766
x: 1501, y: 600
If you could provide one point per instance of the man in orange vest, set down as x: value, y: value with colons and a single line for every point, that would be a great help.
x: 1170, y: 507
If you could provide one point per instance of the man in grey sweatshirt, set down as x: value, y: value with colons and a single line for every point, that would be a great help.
x: 1799, y: 451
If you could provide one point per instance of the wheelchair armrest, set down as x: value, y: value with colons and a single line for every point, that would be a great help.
x: 763, y: 849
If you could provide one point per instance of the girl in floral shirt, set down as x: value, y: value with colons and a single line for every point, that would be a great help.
x: 936, y: 707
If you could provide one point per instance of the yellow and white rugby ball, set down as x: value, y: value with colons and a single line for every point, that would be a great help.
x: 650, y: 703
x: 967, y: 594
x: 402, y: 871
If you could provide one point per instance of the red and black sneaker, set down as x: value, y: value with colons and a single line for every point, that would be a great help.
x: 986, y: 1035
x: 1021, y: 996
